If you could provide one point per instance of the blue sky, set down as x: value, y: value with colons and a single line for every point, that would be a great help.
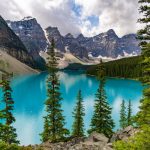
x: 89, y: 17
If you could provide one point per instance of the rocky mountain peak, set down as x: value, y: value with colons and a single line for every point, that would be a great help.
x: 69, y: 35
x: 32, y: 35
x: 53, y: 31
x: 80, y: 37
x: 111, y: 33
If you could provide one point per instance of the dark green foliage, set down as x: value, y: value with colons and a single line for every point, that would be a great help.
x: 143, y: 116
x: 78, y: 124
x: 7, y: 131
x: 102, y: 121
x: 5, y: 146
x: 126, y: 68
x: 129, y: 114
x: 7, y: 99
x: 54, y: 121
x: 45, y: 135
x: 141, y: 141
x: 123, y: 116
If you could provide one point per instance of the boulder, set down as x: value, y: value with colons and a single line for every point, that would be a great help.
x: 95, y: 141
x: 124, y: 134
x: 96, y: 137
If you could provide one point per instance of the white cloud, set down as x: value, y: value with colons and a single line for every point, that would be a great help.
x: 47, y: 12
x: 121, y: 15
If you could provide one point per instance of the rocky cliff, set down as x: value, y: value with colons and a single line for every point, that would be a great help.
x: 10, y: 43
x: 32, y: 36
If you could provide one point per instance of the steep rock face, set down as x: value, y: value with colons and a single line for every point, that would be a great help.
x: 32, y: 36
x: 110, y: 45
x: 66, y: 43
x: 52, y: 32
x: 106, y: 44
x: 129, y: 44
x: 10, y: 43
x: 103, y: 44
x: 74, y: 46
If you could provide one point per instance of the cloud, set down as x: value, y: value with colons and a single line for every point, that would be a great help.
x: 87, y: 16
x: 48, y: 12
x: 117, y: 14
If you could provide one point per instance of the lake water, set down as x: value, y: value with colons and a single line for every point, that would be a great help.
x: 29, y: 93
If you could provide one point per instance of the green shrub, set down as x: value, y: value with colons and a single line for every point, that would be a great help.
x: 141, y: 141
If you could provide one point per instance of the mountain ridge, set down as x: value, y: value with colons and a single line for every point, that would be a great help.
x: 106, y: 44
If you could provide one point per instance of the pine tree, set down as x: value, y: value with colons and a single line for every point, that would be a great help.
x: 123, y: 116
x: 102, y: 121
x: 129, y: 115
x: 54, y: 129
x: 143, y: 116
x: 45, y: 135
x: 78, y: 124
x: 7, y: 131
x: 140, y: 141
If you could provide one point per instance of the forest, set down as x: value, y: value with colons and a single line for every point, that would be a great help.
x: 124, y: 68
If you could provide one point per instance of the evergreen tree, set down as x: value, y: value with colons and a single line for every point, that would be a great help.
x: 78, y: 124
x: 129, y: 115
x: 45, y: 135
x: 140, y: 141
x: 143, y: 116
x: 54, y: 129
x: 7, y: 131
x: 102, y: 121
x: 123, y: 116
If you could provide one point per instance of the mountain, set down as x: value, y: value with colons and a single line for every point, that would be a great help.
x: 32, y: 36
x: 11, y: 44
x: 66, y: 43
x: 10, y: 64
x: 106, y: 44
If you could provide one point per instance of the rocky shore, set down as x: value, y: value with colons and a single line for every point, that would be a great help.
x: 95, y: 141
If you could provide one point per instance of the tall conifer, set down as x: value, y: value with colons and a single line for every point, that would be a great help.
x: 143, y: 116
x: 7, y: 131
x: 129, y: 114
x: 54, y: 123
x: 141, y: 140
x: 102, y: 121
x: 123, y: 116
x: 78, y: 124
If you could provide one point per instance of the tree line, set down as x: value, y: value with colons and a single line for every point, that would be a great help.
x: 125, y: 68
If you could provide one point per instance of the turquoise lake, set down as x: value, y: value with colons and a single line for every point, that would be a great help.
x: 29, y: 94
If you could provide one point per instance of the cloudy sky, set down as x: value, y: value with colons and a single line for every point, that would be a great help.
x: 89, y: 17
